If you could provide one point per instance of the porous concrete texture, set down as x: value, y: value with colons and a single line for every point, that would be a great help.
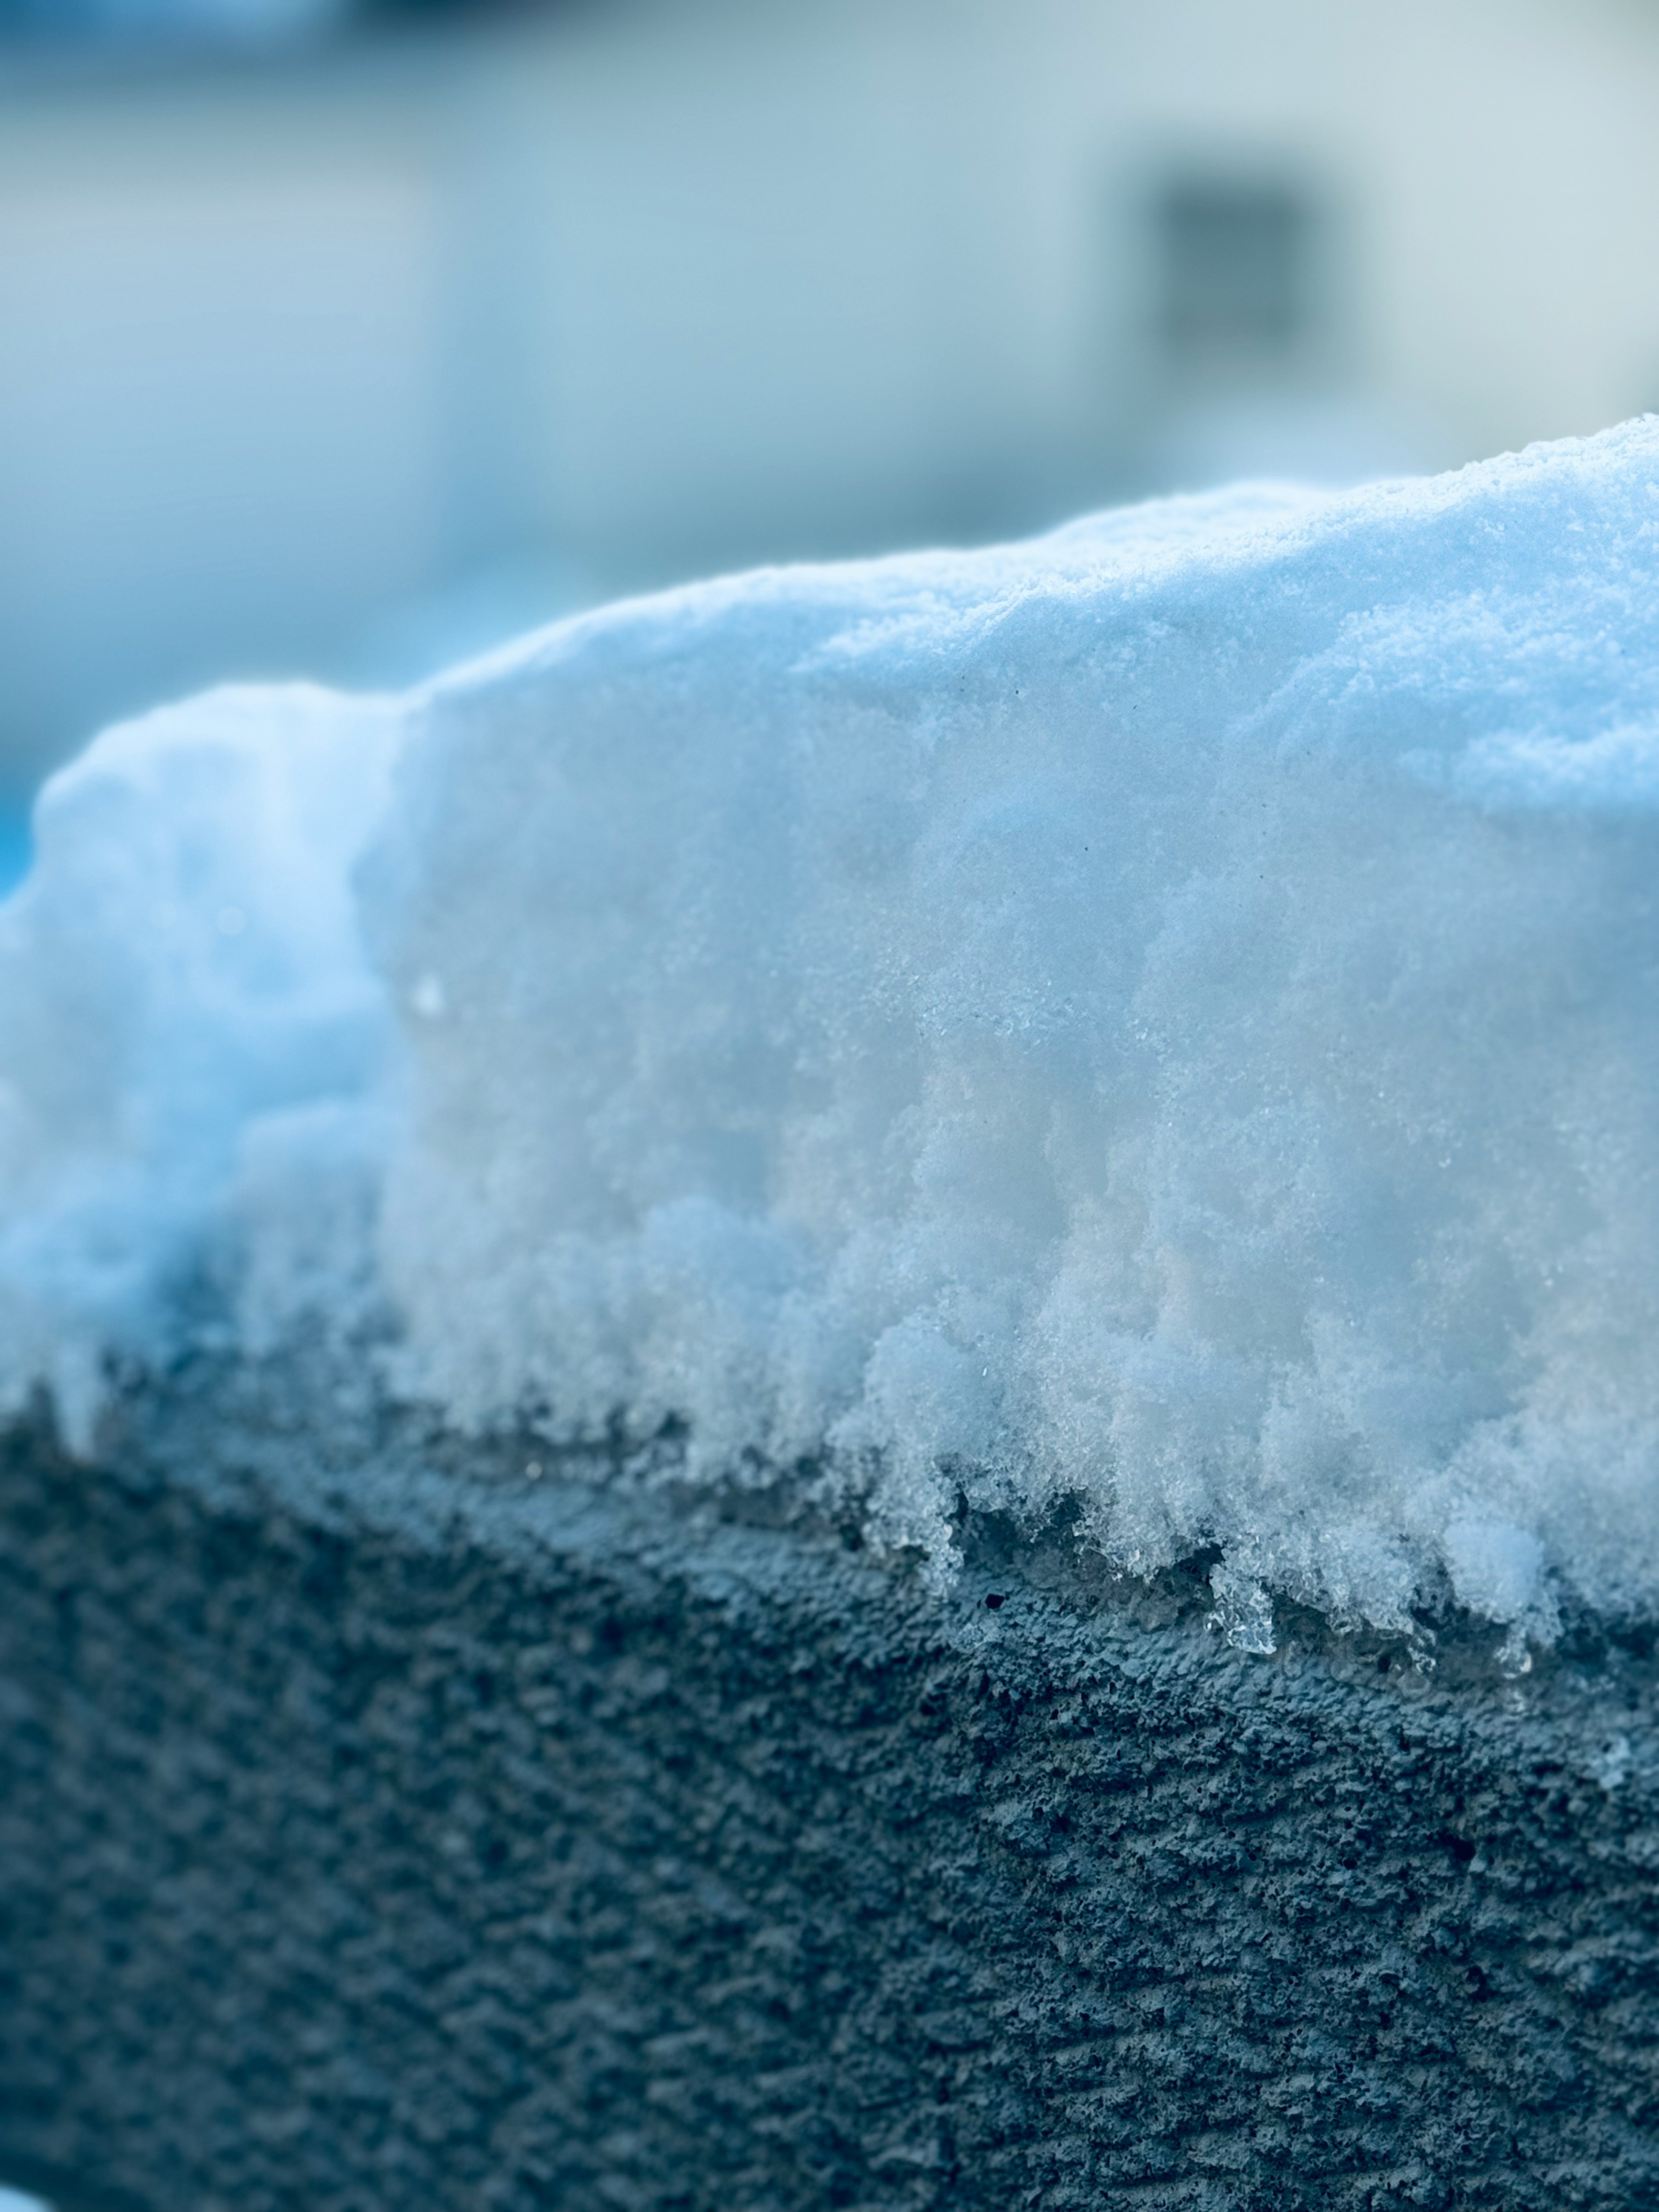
x: 383, y: 1826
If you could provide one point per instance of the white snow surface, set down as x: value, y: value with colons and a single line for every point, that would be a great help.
x: 1166, y: 1015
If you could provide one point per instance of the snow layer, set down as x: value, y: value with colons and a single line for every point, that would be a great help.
x: 1164, y: 1015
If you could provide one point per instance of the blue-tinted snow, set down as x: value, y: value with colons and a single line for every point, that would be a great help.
x: 1165, y: 1014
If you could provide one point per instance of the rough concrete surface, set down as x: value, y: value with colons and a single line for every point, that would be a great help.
x: 383, y: 1828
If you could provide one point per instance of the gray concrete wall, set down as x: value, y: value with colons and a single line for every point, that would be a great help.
x: 381, y: 1829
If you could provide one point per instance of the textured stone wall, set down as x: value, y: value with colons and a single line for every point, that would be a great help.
x: 407, y: 1833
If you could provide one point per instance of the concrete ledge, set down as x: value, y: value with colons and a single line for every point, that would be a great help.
x: 381, y: 1829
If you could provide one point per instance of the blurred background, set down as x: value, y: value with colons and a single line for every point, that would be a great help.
x: 344, y: 339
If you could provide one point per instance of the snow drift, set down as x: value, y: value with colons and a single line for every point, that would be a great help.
x: 1163, y: 1016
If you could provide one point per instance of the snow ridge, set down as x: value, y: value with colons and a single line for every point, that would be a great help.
x: 1163, y: 1016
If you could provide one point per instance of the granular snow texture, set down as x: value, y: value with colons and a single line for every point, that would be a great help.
x: 1161, y: 1023
x: 382, y: 1827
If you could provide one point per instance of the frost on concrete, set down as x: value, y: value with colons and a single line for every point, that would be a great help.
x: 1163, y: 1016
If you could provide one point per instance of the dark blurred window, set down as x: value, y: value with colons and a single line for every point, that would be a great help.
x: 1235, y: 269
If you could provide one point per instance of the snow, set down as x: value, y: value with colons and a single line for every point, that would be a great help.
x: 1163, y: 1016
x: 181, y: 983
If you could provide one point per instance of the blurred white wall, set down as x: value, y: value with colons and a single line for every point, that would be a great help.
x: 221, y: 436
x: 337, y: 360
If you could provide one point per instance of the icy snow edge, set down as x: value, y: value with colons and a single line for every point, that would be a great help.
x: 1163, y: 1016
